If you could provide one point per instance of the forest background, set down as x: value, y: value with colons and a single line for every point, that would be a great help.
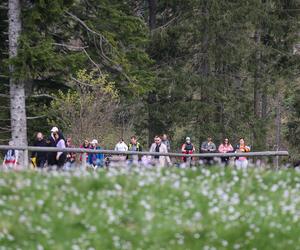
x: 113, y: 68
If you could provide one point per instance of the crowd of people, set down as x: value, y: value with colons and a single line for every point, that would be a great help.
x: 161, y: 144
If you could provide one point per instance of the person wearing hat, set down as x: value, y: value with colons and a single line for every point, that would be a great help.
x: 52, y: 142
x: 187, y: 148
x: 97, y: 159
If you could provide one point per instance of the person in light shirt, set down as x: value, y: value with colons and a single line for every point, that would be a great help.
x: 159, y: 147
x: 121, y: 146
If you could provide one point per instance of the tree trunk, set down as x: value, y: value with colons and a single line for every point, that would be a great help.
x: 17, y: 87
x: 256, y: 86
x: 278, y: 127
x: 152, y: 14
x: 152, y: 126
x: 257, y: 95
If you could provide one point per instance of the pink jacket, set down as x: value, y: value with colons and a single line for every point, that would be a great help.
x: 224, y: 149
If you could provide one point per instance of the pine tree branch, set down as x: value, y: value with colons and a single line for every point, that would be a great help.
x: 70, y: 47
x: 101, y: 39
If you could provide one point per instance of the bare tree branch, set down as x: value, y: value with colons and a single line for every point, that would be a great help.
x: 41, y: 96
x: 7, y: 129
x: 95, y: 64
x: 101, y: 39
x: 87, y: 27
x: 35, y: 117
x: 80, y: 82
x: 70, y: 47
x: 166, y: 24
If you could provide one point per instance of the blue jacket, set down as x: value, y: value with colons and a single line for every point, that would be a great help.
x: 92, y: 158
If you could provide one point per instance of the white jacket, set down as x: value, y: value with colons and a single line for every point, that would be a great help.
x: 121, y: 146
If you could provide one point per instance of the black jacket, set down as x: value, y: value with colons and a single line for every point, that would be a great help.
x: 40, y: 155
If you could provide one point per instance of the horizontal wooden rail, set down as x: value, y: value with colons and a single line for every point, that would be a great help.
x: 113, y: 152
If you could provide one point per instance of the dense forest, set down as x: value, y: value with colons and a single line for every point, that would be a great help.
x: 110, y: 68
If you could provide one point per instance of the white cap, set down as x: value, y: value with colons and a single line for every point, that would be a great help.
x: 94, y: 141
x: 54, y: 129
x: 188, y: 139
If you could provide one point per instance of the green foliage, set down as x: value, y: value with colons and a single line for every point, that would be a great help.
x: 85, y: 110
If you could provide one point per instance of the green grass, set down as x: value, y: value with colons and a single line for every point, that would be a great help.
x: 150, y: 209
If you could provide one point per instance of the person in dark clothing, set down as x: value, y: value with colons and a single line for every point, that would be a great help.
x: 41, y: 157
x: 208, y: 147
x: 187, y: 148
x: 51, y: 142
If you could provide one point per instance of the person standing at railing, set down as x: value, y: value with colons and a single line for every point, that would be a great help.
x: 187, y: 148
x: 208, y: 147
x: 60, y: 156
x: 71, y: 156
x: 241, y: 161
x: 40, y: 158
x: 95, y: 159
x: 134, y: 146
x: 52, y: 142
x: 85, y: 145
x: 121, y: 146
x: 159, y: 147
x: 166, y: 141
x: 225, y: 147
x: 11, y: 158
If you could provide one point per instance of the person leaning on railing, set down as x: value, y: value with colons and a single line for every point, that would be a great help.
x: 11, y: 158
x: 208, y: 146
x: 225, y: 147
x: 187, y: 148
x: 85, y: 145
x: 242, y: 161
x: 96, y: 159
x: 71, y: 156
x: 60, y: 156
x: 134, y: 146
x: 39, y: 159
x: 159, y: 147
